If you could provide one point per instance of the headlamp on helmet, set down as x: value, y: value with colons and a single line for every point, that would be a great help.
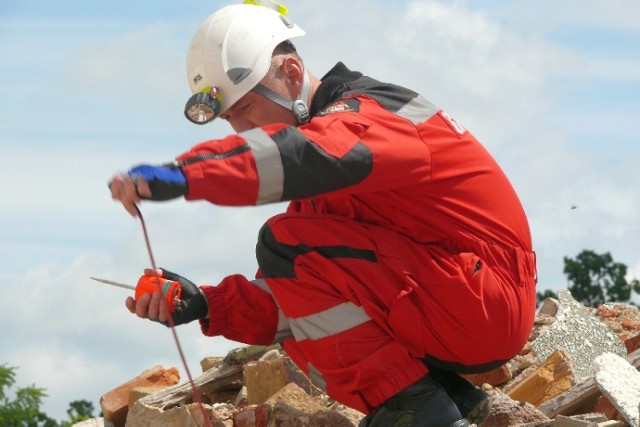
x: 203, y: 106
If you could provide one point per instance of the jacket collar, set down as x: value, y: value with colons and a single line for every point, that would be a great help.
x: 333, y: 84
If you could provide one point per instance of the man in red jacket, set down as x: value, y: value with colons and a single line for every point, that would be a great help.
x: 404, y: 256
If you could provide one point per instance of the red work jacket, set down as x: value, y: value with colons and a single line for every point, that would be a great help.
x: 372, y: 152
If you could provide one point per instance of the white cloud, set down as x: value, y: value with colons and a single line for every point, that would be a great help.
x: 141, y: 61
x: 487, y: 75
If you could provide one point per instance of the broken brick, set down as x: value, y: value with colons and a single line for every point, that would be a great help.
x: 494, y: 377
x: 553, y: 377
x: 115, y: 403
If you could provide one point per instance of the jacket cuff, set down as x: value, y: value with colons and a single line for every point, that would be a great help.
x: 216, y: 321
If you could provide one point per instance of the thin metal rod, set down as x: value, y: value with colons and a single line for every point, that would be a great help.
x: 146, y: 238
x: 112, y: 283
x: 172, y: 326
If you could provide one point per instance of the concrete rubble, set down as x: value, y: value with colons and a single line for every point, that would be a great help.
x: 580, y: 333
x: 620, y: 383
x: 579, y: 368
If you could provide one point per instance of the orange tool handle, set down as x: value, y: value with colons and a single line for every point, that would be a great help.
x: 150, y: 284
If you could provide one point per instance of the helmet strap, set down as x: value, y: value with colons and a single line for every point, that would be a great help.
x: 298, y: 107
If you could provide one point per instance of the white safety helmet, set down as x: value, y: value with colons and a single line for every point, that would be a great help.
x: 230, y: 54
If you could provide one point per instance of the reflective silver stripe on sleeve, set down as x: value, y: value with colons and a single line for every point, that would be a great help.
x: 328, y: 322
x: 284, y: 331
x: 417, y: 110
x: 269, y: 164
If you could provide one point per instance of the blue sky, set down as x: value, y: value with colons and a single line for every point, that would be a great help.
x: 91, y: 88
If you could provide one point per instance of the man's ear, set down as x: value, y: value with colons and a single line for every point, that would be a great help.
x: 294, y: 72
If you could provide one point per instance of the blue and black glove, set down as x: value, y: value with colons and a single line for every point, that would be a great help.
x: 166, y: 182
x: 192, y: 306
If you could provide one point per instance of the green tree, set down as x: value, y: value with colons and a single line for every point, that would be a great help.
x: 79, y: 410
x: 24, y: 409
x: 595, y: 279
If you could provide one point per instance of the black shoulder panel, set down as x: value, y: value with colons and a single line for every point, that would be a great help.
x: 309, y: 170
x: 390, y: 96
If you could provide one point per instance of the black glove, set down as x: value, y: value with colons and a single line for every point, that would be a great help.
x: 166, y: 182
x: 192, y: 305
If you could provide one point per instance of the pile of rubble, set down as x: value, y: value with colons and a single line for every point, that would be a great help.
x: 579, y: 368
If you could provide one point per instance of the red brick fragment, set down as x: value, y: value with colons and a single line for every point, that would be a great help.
x: 632, y: 343
x: 115, y: 403
x: 605, y: 407
x: 495, y: 377
x: 252, y: 416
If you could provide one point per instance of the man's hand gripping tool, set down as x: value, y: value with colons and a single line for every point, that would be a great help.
x: 170, y: 289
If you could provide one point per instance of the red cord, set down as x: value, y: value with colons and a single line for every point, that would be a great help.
x: 196, y: 393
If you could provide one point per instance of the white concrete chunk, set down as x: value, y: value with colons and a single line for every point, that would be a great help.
x: 580, y: 333
x: 620, y: 382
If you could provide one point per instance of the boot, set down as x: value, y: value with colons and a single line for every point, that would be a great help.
x: 473, y: 402
x: 423, y: 404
